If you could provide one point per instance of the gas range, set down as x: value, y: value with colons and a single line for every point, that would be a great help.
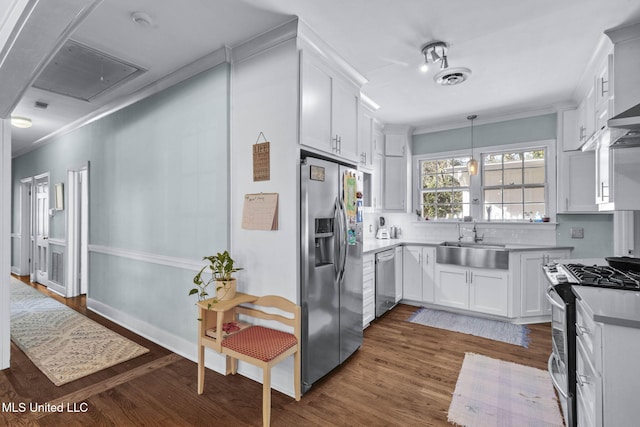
x: 602, y: 276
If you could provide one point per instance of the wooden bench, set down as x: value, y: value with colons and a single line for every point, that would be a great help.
x: 258, y: 345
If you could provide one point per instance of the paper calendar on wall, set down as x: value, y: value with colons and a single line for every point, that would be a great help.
x: 260, y: 211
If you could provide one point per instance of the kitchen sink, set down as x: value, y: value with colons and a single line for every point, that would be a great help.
x: 480, y: 245
x: 469, y: 254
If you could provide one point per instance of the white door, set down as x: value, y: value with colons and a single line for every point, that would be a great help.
x: 77, y: 232
x: 41, y: 219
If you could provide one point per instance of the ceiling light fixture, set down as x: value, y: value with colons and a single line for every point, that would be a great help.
x: 472, y: 164
x: 21, y: 122
x: 141, y: 18
x: 433, y: 52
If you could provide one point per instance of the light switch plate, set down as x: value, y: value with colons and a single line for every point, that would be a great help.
x: 577, y: 233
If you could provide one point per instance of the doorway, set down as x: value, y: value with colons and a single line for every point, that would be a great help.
x: 78, y: 231
x: 26, y: 227
x: 40, y: 235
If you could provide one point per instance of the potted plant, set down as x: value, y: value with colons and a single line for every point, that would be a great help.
x: 221, y: 267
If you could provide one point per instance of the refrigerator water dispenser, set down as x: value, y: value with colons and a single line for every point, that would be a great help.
x: 324, y: 241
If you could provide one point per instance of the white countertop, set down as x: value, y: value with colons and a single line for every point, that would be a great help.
x: 377, y: 245
x: 611, y: 306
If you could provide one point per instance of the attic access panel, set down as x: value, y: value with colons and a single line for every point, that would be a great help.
x: 83, y: 73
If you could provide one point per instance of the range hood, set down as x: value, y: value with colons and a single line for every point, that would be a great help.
x: 627, y: 124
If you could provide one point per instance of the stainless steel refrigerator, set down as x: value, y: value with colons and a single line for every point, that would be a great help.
x: 331, y: 270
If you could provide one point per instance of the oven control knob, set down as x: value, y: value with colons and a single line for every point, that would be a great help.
x: 561, y: 278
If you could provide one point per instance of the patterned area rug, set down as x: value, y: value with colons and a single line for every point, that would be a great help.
x: 492, y: 392
x: 62, y: 343
x: 486, y: 328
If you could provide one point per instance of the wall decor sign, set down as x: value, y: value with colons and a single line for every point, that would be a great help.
x: 261, y: 163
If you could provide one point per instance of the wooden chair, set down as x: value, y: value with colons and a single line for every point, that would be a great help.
x: 266, y: 347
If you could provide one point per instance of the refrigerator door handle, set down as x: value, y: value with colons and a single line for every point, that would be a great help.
x: 342, y: 239
x: 337, y: 244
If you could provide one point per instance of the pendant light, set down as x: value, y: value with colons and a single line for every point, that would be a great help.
x: 472, y: 165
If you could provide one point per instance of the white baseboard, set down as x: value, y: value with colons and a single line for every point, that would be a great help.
x: 281, y: 377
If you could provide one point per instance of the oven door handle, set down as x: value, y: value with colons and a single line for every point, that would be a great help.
x: 553, y: 378
x: 552, y: 300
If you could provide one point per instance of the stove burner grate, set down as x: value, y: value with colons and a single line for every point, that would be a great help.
x: 604, y: 276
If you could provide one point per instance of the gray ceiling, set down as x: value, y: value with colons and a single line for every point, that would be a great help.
x: 525, y: 57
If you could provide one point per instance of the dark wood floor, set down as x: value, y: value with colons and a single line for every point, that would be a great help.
x: 403, y: 375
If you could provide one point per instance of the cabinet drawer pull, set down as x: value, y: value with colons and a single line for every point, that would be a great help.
x: 581, y: 330
x: 582, y: 380
x: 602, y: 83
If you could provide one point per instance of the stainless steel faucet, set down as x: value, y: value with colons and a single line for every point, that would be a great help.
x: 476, y: 238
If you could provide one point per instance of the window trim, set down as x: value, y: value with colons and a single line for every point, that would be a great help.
x: 475, y: 185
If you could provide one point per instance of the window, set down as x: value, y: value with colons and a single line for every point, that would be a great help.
x: 444, y: 188
x: 514, y: 185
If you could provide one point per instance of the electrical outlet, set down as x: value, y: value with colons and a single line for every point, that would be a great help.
x: 577, y: 233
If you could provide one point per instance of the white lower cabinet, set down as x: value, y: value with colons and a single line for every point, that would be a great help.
x: 368, y: 289
x: 452, y: 286
x: 533, y: 283
x: 412, y: 273
x: 478, y: 289
x: 607, y: 371
x: 489, y: 291
x: 418, y: 273
x: 399, y: 262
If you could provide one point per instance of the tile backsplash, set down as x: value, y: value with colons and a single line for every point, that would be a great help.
x: 411, y: 229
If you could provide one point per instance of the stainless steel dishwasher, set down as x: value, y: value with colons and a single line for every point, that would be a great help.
x: 385, y: 281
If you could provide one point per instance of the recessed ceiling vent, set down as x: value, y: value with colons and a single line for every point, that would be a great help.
x: 452, y: 76
x: 84, y: 73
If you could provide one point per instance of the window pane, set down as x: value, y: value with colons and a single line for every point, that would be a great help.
x: 492, y: 177
x: 513, y: 169
x: 428, y: 181
x: 443, y: 165
x: 429, y: 167
x: 512, y: 195
x: 534, y: 174
x: 462, y: 176
x: 513, y: 212
x: 534, y: 194
x: 492, y: 212
x: 493, y: 196
x: 428, y: 198
x: 535, y: 208
x: 492, y: 159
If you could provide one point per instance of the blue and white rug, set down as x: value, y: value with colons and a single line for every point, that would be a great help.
x: 480, y: 327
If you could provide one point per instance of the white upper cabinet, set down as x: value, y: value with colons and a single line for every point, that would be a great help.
x: 587, y: 117
x: 576, y: 173
x: 329, y: 110
x: 365, y: 139
x: 604, y: 94
x: 395, y: 145
x: 315, y: 129
x: 344, y: 119
x: 377, y: 140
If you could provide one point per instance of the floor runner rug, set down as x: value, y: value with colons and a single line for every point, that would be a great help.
x: 62, y: 343
x: 486, y: 328
x: 492, y: 392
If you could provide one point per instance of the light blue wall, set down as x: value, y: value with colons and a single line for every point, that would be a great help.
x: 535, y: 128
x: 159, y: 186
x: 598, y: 234
x: 598, y: 229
